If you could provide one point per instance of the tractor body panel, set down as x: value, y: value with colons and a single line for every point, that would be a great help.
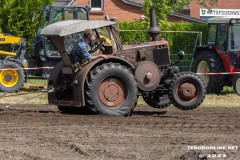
x: 154, y: 51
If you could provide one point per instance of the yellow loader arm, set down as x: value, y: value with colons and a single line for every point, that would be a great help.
x: 8, y: 40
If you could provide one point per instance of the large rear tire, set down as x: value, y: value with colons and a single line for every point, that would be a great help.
x: 186, y: 91
x: 207, y: 62
x: 236, y: 83
x: 12, y: 79
x: 156, y: 99
x: 111, y: 89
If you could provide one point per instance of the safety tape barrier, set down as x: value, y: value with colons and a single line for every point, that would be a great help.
x: 35, y: 68
x: 218, y: 73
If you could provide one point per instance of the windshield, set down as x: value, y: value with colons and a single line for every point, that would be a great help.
x: 235, y: 37
x: 61, y: 14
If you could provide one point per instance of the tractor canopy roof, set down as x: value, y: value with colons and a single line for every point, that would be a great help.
x: 224, y: 19
x: 68, y: 27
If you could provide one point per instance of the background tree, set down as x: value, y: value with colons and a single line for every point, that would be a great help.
x: 16, y: 17
x: 163, y: 7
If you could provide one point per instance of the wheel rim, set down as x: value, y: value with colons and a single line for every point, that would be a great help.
x: 203, y: 68
x: 111, y: 92
x: 186, y: 91
x: 9, y: 78
x: 238, y: 86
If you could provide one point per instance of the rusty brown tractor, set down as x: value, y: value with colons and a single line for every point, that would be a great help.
x: 112, y: 86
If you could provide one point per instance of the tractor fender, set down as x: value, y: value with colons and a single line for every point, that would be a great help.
x: 200, y: 49
x: 80, y: 78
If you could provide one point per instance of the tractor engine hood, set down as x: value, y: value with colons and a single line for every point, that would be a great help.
x: 154, y: 51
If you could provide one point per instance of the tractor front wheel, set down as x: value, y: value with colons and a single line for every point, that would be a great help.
x: 11, y: 78
x: 111, y: 89
x: 186, y: 91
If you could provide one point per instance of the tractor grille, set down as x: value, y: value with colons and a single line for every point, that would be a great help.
x: 161, y: 56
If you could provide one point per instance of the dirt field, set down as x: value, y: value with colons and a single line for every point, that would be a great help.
x: 41, y: 132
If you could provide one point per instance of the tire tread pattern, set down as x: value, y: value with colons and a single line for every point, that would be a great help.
x: 184, y: 77
x: 101, y: 72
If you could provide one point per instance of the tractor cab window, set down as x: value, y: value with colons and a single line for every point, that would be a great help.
x: 71, y: 40
x: 212, y: 32
x: 60, y: 14
x: 109, y: 46
x: 235, y: 37
x: 222, y: 40
x: 80, y: 14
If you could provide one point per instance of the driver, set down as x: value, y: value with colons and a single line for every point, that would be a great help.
x: 80, y: 54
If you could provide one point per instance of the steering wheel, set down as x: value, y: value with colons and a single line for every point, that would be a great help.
x: 96, y: 46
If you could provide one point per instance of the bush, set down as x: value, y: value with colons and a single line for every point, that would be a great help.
x: 177, y: 41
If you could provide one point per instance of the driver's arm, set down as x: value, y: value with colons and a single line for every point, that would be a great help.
x: 99, y: 56
x: 96, y: 57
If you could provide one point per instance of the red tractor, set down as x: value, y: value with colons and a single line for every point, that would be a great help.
x: 220, y: 55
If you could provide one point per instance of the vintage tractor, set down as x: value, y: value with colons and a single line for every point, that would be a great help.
x: 220, y: 56
x: 111, y: 86
x: 11, y: 77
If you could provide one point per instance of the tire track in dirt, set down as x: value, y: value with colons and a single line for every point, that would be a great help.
x: 11, y: 154
x: 147, y: 134
x: 165, y: 125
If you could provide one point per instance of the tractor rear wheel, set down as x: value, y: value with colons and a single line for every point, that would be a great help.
x: 236, y: 83
x: 207, y: 62
x: 186, y: 91
x: 156, y: 99
x: 11, y: 79
x: 111, y: 89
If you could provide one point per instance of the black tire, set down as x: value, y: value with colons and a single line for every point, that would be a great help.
x: 156, y: 99
x: 236, y: 83
x: 11, y: 80
x: 111, y: 89
x: 210, y: 62
x: 186, y: 91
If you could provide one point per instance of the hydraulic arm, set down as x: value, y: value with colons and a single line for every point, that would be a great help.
x: 8, y: 40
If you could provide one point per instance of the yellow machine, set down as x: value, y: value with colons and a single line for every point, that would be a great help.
x: 12, y: 75
x: 8, y: 40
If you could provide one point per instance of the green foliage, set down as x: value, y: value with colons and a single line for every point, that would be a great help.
x: 163, y: 7
x: 206, y: 3
x: 184, y: 41
x: 128, y: 37
x: 178, y: 41
x: 16, y: 17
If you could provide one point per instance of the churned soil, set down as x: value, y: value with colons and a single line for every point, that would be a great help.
x: 41, y: 132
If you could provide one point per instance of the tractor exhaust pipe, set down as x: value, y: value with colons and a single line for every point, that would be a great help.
x: 153, y: 30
